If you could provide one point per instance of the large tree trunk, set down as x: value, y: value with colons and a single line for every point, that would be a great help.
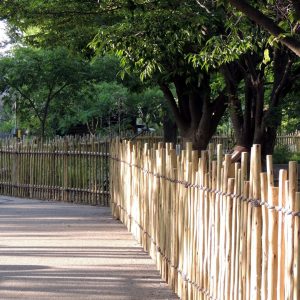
x: 256, y: 122
x: 196, y: 114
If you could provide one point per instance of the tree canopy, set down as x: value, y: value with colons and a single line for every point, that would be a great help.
x: 204, y: 55
x: 37, y: 77
x: 279, y: 18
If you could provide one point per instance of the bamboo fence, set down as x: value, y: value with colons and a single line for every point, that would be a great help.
x: 70, y: 170
x: 291, y: 141
x: 216, y: 230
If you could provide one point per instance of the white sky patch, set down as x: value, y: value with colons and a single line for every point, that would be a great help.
x: 3, y: 38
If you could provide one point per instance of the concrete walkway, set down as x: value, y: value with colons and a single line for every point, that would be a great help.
x: 51, y: 250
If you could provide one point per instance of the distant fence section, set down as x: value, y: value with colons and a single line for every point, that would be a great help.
x: 215, y: 231
x: 71, y: 170
x: 291, y: 141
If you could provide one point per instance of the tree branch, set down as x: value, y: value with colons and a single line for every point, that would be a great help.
x: 262, y: 20
x: 30, y: 102
x: 233, y: 74
x: 282, y: 68
x: 59, y: 90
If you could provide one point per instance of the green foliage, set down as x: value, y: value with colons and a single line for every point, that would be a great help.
x: 158, y: 40
x: 98, y: 103
x: 282, y: 155
x: 279, y: 18
x: 110, y: 106
x: 156, y: 37
x: 53, y: 23
x: 291, y: 112
x: 35, y: 78
x: 147, y: 105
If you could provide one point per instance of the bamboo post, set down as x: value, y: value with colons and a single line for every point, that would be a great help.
x: 292, y: 188
x: 264, y: 197
x: 235, y: 234
x: 296, y: 263
x: 272, y: 245
x: 281, y: 235
x: 228, y: 240
x: 256, y: 243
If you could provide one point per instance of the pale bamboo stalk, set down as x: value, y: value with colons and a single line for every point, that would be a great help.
x: 234, y: 234
x: 292, y: 187
x: 272, y: 245
x: 228, y: 238
x: 200, y: 226
x: 296, y: 263
x: 204, y: 169
x: 173, y: 220
x: 224, y: 229
x: 221, y: 240
x: 244, y: 256
x: 264, y: 179
x: 281, y: 234
x: 215, y: 231
x: 256, y: 245
x: 193, y: 233
x: 217, y: 185
x: 190, y: 220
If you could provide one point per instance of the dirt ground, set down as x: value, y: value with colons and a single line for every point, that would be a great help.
x: 51, y: 250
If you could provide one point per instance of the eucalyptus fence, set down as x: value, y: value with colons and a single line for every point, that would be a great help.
x: 214, y: 231
x: 71, y: 170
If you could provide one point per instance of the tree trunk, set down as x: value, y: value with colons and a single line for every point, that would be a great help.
x: 201, y: 140
x: 196, y: 114
x: 257, y: 123
x: 169, y: 129
x: 43, y: 128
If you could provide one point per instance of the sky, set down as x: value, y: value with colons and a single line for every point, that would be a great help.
x: 3, y: 37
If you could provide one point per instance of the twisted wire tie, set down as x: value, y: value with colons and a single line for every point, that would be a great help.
x: 254, y: 202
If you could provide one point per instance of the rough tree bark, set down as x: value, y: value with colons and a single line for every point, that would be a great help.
x: 196, y: 114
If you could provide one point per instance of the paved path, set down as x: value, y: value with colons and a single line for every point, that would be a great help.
x: 51, y: 250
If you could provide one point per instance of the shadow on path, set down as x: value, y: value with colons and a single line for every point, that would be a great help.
x: 54, y: 250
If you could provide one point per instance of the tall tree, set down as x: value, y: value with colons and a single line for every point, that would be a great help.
x: 155, y: 41
x: 256, y: 89
x: 152, y: 38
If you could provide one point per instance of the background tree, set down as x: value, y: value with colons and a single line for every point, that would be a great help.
x: 257, y: 81
x: 201, y: 55
x: 110, y: 108
x: 255, y: 102
x: 142, y: 35
x: 39, y: 78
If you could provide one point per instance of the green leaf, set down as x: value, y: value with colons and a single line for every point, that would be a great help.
x: 266, y: 56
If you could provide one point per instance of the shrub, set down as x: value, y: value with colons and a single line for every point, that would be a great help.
x: 282, y: 154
